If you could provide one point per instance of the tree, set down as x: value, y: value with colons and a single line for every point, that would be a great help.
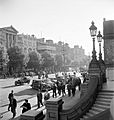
x: 3, y: 58
x: 34, y: 61
x: 47, y: 61
x: 15, y: 59
x: 58, y: 62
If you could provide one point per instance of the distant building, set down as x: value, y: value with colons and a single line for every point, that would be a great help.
x: 49, y: 42
x: 26, y: 42
x: 79, y: 53
x: 47, y: 46
x: 8, y: 36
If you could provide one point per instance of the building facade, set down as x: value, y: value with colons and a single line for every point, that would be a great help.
x: 8, y: 36
x: 26, y: 43
x: 108, y: 36
x: 79, y: 53
x: 47, y: 46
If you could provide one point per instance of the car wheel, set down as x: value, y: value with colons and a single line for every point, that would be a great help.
x: 15, y: 83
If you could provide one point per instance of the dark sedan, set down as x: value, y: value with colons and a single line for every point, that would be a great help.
x: 22, y: 80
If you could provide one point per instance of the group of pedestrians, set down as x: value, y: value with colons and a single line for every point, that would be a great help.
x: 13, y: 104
x: 71, y: 87
x: 61, y: 86
x: 26, y: 105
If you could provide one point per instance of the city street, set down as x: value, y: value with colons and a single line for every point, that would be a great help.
x: 6, y: 85
x: 21, y: 93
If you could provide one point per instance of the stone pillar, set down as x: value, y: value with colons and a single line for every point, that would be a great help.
x: 94, y: 69
x: 84, y: 88
x: 8, y: 41
x: 11, y: 40
x: 32, y: 115
x: 54, y: 106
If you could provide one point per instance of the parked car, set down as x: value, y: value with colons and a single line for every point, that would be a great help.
x: 22, y: 80
x: 40, y: 84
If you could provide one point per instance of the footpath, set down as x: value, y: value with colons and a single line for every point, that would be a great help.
x: 68, y: 103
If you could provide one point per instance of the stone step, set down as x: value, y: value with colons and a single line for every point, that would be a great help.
x: 102, y: 103
x: 89, y: 114
x: 105, y: 96
x: 97, y: 109
x: 94, y: 112
x: 101, y: 106
x: 85, y: 117
x: 81, y: 118
x: 103, y: 99
x: 106, y: 93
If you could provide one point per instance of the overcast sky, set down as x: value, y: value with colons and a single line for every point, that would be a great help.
x: 65, y: 20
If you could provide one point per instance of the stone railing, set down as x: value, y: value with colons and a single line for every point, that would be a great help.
x: 84, y: 103
x: 104, y: 115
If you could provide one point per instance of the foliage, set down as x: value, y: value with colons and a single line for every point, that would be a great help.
x: 15, y: 58
x: 3, y: 56
x: 47, y: 60
x: 34, y: 60
x: 58, y: 62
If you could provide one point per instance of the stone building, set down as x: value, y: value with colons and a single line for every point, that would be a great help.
x: 47, y: 46
x: 26, y: 42
x: 108, y: 36
x: 79, y: 53
x: 8, y: 36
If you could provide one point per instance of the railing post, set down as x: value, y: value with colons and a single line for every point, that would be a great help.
x: 84, y: 88
x: 32, y: 115
x: 53, y: 107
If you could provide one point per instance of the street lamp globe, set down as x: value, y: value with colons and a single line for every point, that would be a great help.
x: 93, y: 29
x: 99, y: 37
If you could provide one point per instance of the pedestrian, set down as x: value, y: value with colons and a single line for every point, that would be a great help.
x: 54, y: 90
x: 39, y: 98
x: 69, y: 89
x: 13, y: 106
x: 9, y: 97
x: 59, y: 88
x: 46, y: 96
x: 26, y: 106
x: 63, y: 89
x: 73, y: 90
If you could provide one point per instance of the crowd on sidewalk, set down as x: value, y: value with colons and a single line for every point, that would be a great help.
x: 60, y: 88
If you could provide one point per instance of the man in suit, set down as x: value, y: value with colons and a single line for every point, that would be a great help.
x: 39, y: 98
x: 9, y: 97
x: 26, y: 106
x: 13, y: 106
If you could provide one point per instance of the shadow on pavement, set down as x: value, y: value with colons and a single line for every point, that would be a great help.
x: 9, y: 86
x: 29, y: 91
x: 17, y: 118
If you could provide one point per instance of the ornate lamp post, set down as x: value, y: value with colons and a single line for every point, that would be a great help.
x: 99, y: 38
x: 93, y: 31
x: 94, y: 67
x: 101, y: 62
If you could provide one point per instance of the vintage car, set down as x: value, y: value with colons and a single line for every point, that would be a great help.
x: 41, y: 84
x: 22, y: 80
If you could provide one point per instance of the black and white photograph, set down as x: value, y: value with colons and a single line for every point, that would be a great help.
x: 56, y: 59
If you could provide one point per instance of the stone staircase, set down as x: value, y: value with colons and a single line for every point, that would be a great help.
x: 102, y: 102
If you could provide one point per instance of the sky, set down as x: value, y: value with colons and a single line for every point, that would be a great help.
x: 59, y: 20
